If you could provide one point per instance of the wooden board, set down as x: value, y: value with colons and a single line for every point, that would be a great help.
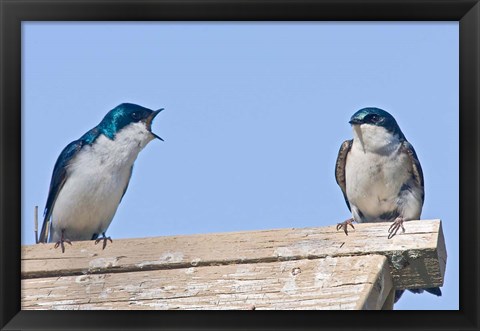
x: 355, y: 282
x: 309, y: 268
x: 417, y: 258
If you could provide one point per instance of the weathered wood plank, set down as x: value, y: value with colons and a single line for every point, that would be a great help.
x: 417, y: 258
x: 379, y: 289
x: 356, y: 282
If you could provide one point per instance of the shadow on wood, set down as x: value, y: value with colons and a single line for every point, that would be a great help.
x: 307, y: 268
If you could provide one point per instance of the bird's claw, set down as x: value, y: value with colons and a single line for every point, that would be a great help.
x: 61, y: 244
x: 393, y: 229
x: 344, y: 225
x: 105, y: 239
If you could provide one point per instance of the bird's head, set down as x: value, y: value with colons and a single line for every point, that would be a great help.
x: 375, y: 128
x: 372, y: 116
x: 125, y: 115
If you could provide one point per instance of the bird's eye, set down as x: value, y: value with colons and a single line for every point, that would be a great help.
x: 374, y: 118
x: 136, y: 116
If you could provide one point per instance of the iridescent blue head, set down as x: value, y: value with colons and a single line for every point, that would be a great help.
x: 377, y: 117
x: 125, y: 114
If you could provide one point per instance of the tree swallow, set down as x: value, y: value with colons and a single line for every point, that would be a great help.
x: 380, y: 175
x: 91, y: 176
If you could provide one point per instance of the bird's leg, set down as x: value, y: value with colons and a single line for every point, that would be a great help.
x: 105, y: 239
x: 344, y: 225
x: 62, y: 241
x: 393, y: 229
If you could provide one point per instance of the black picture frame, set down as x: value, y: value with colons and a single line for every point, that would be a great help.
x: 13, y: 12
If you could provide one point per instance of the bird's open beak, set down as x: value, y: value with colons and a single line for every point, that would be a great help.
x: 149, y: 120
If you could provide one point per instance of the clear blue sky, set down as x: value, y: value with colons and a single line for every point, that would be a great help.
x: 254, y: 116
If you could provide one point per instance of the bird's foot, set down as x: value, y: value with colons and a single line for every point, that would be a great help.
x: 344, y: 225
x: 105, y: 239
x: 61, y: 243
x: 393, y: 229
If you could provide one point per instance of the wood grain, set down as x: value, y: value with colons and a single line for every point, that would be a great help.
x: 326, y: 283
x: 151, y: 273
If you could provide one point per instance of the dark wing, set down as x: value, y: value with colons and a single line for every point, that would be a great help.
x: 59, y: 177
x: 340, y: 168
x: 416, y: 167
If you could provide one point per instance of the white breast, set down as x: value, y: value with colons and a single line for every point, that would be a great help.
x: 375, y: 171
x: 96, y: 179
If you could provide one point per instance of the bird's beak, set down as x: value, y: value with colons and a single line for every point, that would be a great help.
x: 355, y: 121
x: 149, y: 120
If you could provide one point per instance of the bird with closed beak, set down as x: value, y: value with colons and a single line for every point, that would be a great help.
x: 91, y: 176
x: 380, y: 175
